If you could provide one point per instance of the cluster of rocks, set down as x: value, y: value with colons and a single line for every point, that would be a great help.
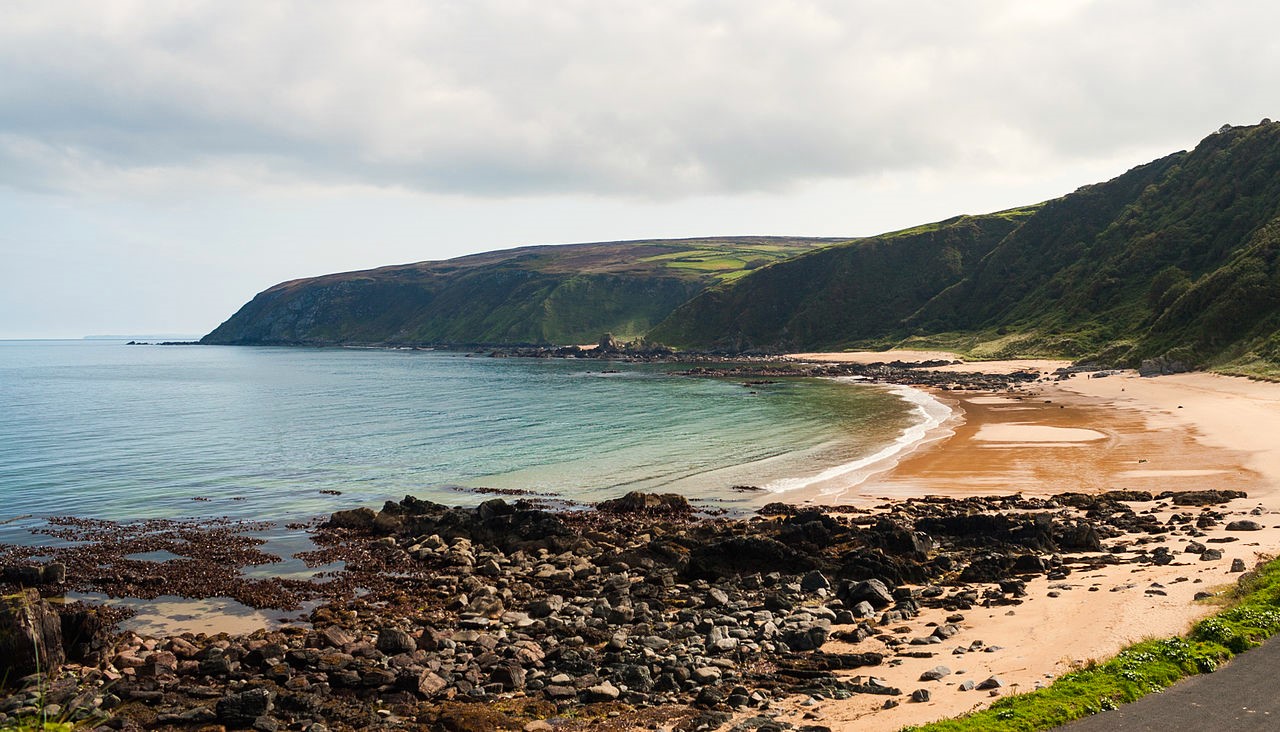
x: 505, y: 614
x: 887, y: 373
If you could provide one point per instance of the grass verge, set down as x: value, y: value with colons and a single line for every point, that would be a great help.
x: 1252, y: 616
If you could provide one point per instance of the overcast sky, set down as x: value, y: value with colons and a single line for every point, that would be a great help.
x: 160, y: 163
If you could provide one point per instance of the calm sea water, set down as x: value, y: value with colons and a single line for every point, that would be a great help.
x: 100, y: 429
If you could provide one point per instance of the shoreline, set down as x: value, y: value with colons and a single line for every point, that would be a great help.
x: 1015, y: 451
x: 831, y: 484
x: 1196, y: 416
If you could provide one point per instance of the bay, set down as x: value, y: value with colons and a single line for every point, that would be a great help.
x: 101, y: 429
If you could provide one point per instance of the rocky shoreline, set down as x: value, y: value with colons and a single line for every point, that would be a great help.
x: 637, y: 613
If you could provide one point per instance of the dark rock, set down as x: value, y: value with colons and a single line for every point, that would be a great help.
x: 30, y: 636
x: 1244, y: 525
x: 1211, y: 555
x: 1201, y: 498
x: 360, y: 519
x: 805, y: 639
x: 814, y: 581
x: 650, y: 503
x: 935, y: 673
x: 240, y: 710
x: 992, y: 682
x: 510, y: 675
x: 392, y: 641
x: 745, y: 555
x: 920, y: 695
x: 871, y: 591
x: 1237, y: 565
x: 1161, y: 365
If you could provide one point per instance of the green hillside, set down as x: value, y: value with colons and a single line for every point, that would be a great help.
x: 532, y: 295
x: 853, y: 293
x: 1175, y: 258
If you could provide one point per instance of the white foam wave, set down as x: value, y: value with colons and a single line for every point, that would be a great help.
x: 931, y: 414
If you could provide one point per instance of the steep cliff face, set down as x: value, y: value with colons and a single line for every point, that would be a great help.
x: 858, y: 292
x: 533, y: 295
x: 1174, y: 258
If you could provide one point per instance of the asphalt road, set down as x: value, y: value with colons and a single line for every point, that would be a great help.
x: 1244, y: 695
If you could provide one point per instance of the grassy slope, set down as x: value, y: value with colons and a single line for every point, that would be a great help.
x: 565, y: 294
x: 1095, y: 270
x: 1177, y: 257
x: 840, y: 295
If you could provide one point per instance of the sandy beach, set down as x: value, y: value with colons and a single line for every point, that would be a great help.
x: 1120, y: 432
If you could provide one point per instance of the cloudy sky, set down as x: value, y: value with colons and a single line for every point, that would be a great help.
x: 162, y: 162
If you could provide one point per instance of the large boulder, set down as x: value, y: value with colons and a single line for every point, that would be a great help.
x: 648, y: 503
x: 30, y: 636
x: 359, y: 519
x: 872, y: 591
x: 745, y: 555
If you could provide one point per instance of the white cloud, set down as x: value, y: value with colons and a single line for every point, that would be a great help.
x: 650, y: 99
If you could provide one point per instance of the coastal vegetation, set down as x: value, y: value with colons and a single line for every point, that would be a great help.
x: 1175, y: 260
x: 531, y: 295
x: 1252, y: 615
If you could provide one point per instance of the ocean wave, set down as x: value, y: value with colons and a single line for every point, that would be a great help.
x: 931, y: 413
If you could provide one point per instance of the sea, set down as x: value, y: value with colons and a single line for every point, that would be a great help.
x: 101, y: 429
x: 105, y: 430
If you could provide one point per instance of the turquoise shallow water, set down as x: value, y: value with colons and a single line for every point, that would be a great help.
x: 100, y: 429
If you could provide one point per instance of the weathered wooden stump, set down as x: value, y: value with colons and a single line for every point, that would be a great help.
x: 30, y: 637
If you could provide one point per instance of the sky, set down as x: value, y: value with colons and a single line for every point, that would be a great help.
x: 160, y: 163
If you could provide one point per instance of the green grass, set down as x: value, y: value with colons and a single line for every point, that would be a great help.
x: 1253, y: 615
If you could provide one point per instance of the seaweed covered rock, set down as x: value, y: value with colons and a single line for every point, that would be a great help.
x: 648, y: 503
x: 745, y: 555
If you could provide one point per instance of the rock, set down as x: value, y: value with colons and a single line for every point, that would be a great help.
x: 745, y: 555
x: 30, y: 636
x: 1244, y: 525
x: 935, y: 673
x: 814, y: 581
x: 1161, y: 365
x: 393, y: 641
x: 1030, y: 564
x: 359, y: 519
x: 717, y: 597
x: 335, y: 636
x: 240, y: 710
x: 1237, y: 565
x: 808, y: 638
x: 53, y: 573
x: 650, y: 503
x: 1200, y: 498
x: 991, y: 682
x: 863, y: 609
x: 510, y: 675
x: 429, y: 684
x: 604, y: 692
x: 706, y: 674
x: 920, y: 695
x: 872, y: 591
x: 1211, y: 555
x: 560, y: 691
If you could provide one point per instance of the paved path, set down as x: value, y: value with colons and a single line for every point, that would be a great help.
x: 1242, y: 696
